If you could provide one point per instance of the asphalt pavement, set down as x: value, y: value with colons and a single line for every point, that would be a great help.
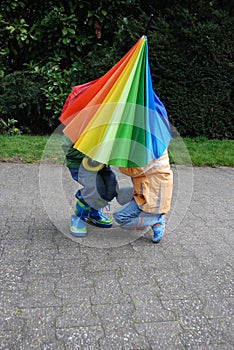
x: 115, y: 289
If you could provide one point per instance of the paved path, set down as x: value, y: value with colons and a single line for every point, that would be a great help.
x: 114, y: 290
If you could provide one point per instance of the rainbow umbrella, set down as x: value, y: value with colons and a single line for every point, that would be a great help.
x: 118, y: 119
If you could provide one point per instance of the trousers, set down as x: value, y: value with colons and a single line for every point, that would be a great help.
x: 130, y: 215
x: 98, y: 187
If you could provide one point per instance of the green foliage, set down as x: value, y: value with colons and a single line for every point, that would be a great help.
x: 48, y: 47
x: 54, y: 44
x: 9, y: 127
x: 193, y: 71
x: 21, y: 100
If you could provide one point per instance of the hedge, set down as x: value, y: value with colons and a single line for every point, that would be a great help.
x: 48, y: 48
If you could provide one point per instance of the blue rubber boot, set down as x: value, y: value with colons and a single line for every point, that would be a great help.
x: 91, y: 215
x: 96, y: 218
x: 77, y: 226
x: 81, y: 209
x: 158, y: 229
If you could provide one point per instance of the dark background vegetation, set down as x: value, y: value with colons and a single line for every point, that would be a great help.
x: 46, y: 47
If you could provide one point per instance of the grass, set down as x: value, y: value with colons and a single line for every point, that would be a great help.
x: 29, y: 149
x: 211, y: 152
x: 197, y: 152
x: 200, y: 151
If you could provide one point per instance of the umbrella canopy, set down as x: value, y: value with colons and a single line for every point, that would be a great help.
x: 118, y: 119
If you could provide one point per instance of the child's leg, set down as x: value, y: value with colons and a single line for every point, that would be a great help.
x: 128, y: 214
x: 131, y: 216
x: 89, y: 201
x: 106, y: 183
x: 77, y: 225
x: 106, y: 189
x: 93, y: 191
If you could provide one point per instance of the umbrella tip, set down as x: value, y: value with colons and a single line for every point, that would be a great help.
x: 148, y: 23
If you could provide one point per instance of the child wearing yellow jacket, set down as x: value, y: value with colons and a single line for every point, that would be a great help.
x: 151, y: 200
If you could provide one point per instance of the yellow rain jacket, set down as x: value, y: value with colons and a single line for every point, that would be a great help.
x: 152, y: 185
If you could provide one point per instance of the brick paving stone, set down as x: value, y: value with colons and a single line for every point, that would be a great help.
x: 78, y: 315
x: 124, y: 338
x: 85, y: 338
x: 161, y: 335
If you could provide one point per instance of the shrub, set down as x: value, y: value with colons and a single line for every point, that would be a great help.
x: 46, y: 48
x: 21, y: 99
x: 192, y: 70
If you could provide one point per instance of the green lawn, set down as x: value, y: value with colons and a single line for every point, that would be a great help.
x: 202, y: 152
x: 30, y: 149
x: 197, y: 152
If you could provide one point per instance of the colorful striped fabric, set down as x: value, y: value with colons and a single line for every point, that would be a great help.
x: 118, y: 119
